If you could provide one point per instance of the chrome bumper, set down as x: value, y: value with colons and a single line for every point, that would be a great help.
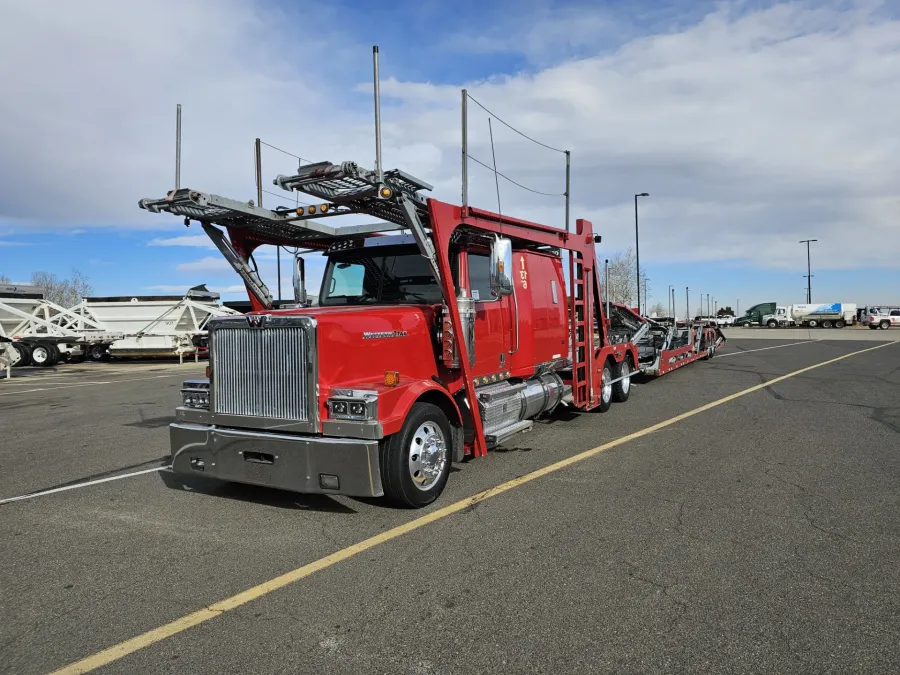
x: 308, y: 464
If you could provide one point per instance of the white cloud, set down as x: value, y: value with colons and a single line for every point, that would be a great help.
x: 199, y: 240
x: 205, y: 265
x: 751, y: 129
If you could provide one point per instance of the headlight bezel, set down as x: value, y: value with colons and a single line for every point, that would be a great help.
x: 353, y: 405
x: 195, y: 394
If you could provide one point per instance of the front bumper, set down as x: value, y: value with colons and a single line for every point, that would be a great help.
x: 284, y: 461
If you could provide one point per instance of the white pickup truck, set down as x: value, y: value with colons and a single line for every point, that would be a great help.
x: 881, y: 317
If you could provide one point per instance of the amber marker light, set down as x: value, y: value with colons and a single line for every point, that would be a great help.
x: 391, y: 378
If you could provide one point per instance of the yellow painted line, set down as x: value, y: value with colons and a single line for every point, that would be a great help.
x: 134, y: 644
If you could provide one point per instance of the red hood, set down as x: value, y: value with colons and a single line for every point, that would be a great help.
x: 356, y: 345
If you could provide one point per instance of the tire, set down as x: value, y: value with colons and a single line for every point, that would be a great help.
x: 606, y: 392
x: 404, y: 479
x: 772, y: 324
x: 55, y: 355
x: 42, y: 355
x: 24, y: 352
x: 96, y: 353
x: 826, y: 324
x: 622, y: 389
x: 813, y: 323
x: 885, y: 325
x: 839, y: 324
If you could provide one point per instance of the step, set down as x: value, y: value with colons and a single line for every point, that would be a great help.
x: 501, y: 435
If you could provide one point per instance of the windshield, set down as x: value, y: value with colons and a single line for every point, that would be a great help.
x: 379, y: 275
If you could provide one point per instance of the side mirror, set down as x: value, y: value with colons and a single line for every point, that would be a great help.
x: 300, y: 281
x: 501, y: 267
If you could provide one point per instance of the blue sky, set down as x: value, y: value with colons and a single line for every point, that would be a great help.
x: 752, y: 125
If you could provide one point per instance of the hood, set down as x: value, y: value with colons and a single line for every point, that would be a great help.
x: 356, y: 345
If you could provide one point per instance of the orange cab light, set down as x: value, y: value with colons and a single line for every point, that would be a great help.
x: 391, y: 378
x: 208, y: 370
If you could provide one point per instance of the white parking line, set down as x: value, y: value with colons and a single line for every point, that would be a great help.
x: 86, y: 384
x: 762, y: 349
x: 81, y: 485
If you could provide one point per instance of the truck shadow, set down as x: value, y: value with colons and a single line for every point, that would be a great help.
x: 255, y: 494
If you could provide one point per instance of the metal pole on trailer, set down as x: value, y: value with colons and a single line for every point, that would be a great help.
x: 687, y: 303
x: 606, y: 288
x: 568, y: 184
x: 178, y: 147
x: 465, y: 150
x: 378, y: 171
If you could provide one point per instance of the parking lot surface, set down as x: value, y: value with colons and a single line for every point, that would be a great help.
x: 759, y: 534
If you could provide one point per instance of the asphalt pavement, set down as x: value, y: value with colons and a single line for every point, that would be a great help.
x: 759, y: 534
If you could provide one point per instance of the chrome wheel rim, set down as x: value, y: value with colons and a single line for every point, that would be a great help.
x: 626, y: 373
x: 606, y: 387
x: 427, y: 455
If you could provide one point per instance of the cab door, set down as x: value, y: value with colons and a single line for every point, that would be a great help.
x: 492, y: 317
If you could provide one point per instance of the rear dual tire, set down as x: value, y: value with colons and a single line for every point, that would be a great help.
x: 45, y: 355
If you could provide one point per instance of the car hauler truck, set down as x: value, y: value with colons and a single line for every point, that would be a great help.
x: 440, y: 332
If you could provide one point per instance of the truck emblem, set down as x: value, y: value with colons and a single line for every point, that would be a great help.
x: 368, y: 335
x: 256, y: 320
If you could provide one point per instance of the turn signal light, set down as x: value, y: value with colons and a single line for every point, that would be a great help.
x: 323, y: 208
x: 386, y: 192
x: 208, y: 370
x: 312, y: 210
x: 391, y: 378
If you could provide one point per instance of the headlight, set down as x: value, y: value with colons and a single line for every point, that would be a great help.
x: 353, y: 404
x: 195, y: 394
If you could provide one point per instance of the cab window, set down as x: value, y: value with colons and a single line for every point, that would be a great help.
x: 480, y: 276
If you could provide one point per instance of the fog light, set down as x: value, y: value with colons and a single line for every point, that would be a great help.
x: 329, y: 481
x: 339, y: 407
x: 357, y: 408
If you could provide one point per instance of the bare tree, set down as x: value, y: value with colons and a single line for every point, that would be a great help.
x: 64, y: 292
x: 622, y: 275
x: 659, y: 310
x: 4, y: 279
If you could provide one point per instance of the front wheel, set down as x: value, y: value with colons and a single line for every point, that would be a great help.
x: 622, y: 388
x: 415, y: 462
x: 885, y: 325
x: 772, y: 323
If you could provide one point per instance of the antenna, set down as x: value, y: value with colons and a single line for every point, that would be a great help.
x: 378, y: 170
x: 178, y: 147
x: 496, y: 178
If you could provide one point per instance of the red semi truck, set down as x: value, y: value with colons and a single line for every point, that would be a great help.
x: 439, y: 332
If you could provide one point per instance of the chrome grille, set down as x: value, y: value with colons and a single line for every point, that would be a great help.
x: 261, y: 372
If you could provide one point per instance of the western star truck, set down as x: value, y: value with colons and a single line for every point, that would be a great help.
x: 439, y: 333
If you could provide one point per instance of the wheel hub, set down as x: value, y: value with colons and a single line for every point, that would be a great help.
x: 606, y: 387
x: 427, y: 455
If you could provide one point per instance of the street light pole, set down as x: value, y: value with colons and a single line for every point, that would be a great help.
x: 808, y: 271
x: 637, y: 247
x: 687, y: 304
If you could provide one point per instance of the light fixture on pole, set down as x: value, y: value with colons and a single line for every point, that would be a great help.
x: 637, y: 247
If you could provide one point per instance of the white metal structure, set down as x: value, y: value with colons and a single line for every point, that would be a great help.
x: 43, y: 332
x: 171, y: 325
